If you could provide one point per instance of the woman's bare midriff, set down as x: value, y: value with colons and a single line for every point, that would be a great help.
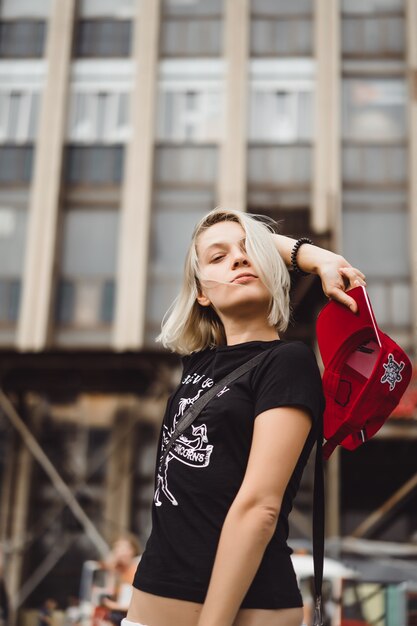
x: 152, y: 610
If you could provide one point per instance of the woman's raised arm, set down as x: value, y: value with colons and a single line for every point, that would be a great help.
x: 336, y: 274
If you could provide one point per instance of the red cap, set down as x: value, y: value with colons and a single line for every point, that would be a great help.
x: 365, y: 372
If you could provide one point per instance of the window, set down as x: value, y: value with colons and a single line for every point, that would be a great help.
x: 94, y: 165
x: 375, y: 238
x: 191, y: 29
x: 15, y: 165
x: 280, y: 134
x: 12, y: 246
x: 22, y: 39
x: 189, y: 114
x: 106, y: 38
x: 174, y: 215
x: 373, y: 28
x: 374, y: 108
x: 11, y: 9
x: 374, y: 131
x: 185, y: 165
x: 282, y: 115
x: 281, y: 28
x: 19, y: 113
x: 96, y: 117
x: 106, y: 8
x: 86, y: 289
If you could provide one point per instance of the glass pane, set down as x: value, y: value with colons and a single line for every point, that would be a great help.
x: 170, y: 238
x: 192, y: 7
x: 16, y: 164
x: 22, y: 39
x: 161, y: 294
x: 374, y: 108
x: 107, y: 8
x: 107, y: 301
x: 279, y: 165
x: 89, y: 242
x: 283, y: 38
x: 377, y: 242
x: 282, y: 7
x: 87, y: 303
x: 372, y: 6
x: 103, y: 38
x: 13, y: 223
x: 401, y: 304
x: 376, y: 36
x: 184, y: 164
x: 175, y: 215
x: 379, y: 298
x: 25, y: 8
x: 191, y: 37
x: 378, y: 165
x: 94, y: 165
x: 9, y: 300
x: 189, y: 115
x: 281, y: 116
x: 65, y: 302
x: 33, y: 116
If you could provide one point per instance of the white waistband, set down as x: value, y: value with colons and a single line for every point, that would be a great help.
x: 126, y: 622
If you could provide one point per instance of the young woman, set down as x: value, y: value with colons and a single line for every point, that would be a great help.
x: 218, y: 554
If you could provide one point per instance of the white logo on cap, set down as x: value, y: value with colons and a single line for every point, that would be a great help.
x: 392, y: 374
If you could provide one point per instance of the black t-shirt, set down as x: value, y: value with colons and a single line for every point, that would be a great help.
x: 205, y: 469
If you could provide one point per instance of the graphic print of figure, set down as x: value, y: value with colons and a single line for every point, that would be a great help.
x: 193, y: 452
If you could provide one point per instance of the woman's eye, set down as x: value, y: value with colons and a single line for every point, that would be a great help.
x: 217, y: 258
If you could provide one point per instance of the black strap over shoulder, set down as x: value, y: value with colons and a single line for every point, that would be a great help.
x: 318, y: 528
x: 192, y: 413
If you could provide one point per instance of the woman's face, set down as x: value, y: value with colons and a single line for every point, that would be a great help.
x: 228, y: 281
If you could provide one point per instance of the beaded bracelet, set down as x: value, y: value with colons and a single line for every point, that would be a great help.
x: 294, y: 253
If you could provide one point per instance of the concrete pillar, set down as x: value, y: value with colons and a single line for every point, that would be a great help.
x: 326, y: 196
x: 44, y: 201
x: 137, y: 186
x: 233, y: 157
x: 326, y: 211
x: 119, y: 476
x: 411, y: 38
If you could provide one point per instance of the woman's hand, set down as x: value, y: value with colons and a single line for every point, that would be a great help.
x: 337, y: 277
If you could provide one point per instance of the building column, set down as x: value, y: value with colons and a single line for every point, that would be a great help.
x: 233, y: 157
x: 44, y: 200
x: 326, y: 195
x: 411, y: 38
x: 326, y: 214
x: 133, y: 246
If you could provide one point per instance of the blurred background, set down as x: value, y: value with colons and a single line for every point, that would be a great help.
x: 122, y: 122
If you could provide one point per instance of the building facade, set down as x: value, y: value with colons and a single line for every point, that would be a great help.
x: 121, y: 124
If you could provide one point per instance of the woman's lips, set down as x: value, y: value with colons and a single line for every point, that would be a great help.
x: 244, y: 279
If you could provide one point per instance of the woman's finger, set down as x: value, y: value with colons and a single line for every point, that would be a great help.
x: 337, y: 293
x: 353, y: 274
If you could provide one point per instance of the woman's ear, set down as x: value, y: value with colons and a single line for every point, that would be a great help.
x: 202, y: 299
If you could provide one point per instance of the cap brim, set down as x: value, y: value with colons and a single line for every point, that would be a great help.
x: 336, y: 324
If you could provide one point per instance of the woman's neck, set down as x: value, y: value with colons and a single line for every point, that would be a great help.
x: 237, y: 333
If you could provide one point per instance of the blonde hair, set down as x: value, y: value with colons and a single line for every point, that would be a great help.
x: 187, y: 326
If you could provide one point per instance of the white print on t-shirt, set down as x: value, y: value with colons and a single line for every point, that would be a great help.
x: 194, y: 452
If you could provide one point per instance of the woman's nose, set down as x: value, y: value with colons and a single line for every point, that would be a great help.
x: 240, y: 259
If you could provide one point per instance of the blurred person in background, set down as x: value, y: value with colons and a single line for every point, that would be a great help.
x: 46, y: 612
x: 72, y: 614
x: 122, y: 562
